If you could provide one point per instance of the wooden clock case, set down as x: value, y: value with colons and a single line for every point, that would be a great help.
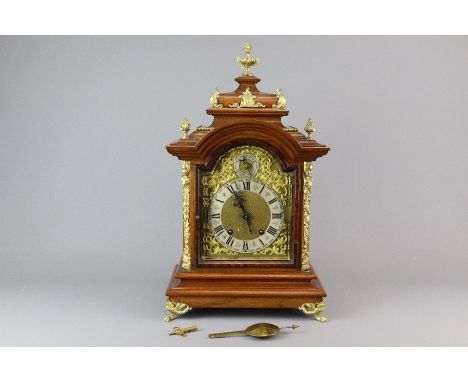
x: 245, y: 284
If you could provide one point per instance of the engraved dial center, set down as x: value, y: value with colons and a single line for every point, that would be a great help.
x: 256, y: 212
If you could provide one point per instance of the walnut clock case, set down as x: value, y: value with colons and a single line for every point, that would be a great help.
x: 246, y: 183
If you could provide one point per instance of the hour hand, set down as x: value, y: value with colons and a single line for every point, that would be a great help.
x: 247, y: 217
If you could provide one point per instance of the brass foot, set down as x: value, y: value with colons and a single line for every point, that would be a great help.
x: 314, y: 308
x: 175, y: 308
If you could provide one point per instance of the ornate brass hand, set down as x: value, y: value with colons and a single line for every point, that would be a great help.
x: 240, y: 202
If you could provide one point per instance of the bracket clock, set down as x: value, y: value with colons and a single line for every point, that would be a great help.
x: 246, y: 184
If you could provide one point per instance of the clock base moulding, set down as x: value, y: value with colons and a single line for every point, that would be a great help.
x: 225, y: 288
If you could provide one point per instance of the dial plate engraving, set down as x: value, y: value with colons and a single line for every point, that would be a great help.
x: 246, y: 217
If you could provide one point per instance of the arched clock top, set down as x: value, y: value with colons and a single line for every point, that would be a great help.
x: 291, y: 147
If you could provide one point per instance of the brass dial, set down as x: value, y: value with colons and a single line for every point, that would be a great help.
x: 246, y: 207
x: 246, y: 166
x: 246, y: 215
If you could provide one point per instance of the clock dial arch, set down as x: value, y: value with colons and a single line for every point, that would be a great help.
x: 272, y: 205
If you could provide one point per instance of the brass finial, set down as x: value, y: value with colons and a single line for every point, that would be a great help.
x: 247, y: 62
x: 309, y: 128
x: 280, y: 100
x: 214, y: 100
x: 185, y: 128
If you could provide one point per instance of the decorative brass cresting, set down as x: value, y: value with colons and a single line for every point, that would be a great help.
x: 305, y: 265
x: 174, y: 309
x: 247, y: 100
x: 214, y: 100
x: 186, y: 214
x: 315, y: 309
x: 280, y: 100
x: 247, y: 62
x: 204, y: 128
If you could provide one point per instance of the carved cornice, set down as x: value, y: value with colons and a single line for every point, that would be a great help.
x: 291, y: 148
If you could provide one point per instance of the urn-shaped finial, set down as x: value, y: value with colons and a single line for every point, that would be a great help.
x: 309, y: 128
x: 247, y: 62
x: 185, y: 128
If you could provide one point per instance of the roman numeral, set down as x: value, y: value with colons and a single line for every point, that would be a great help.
x: 221, y: 201
x: 275, y: 216
x: 260, y: 240
x: 218, y: 229
x: 230, y: 189
x: 246, y: 185
x: 272, y: 200
x: 230, y: 241
x: 217, y: 216
x: 272, y: 231
x: 245, y: 247
x: 261, y: 189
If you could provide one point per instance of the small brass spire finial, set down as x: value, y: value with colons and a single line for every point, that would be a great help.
x: 309, y: 128
x: 247, y: 62
x: 185, y: 128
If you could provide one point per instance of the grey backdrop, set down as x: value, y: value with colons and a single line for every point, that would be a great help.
x: 90, y: 202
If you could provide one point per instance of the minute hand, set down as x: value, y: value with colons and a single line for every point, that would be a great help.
x: 246, y: 216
